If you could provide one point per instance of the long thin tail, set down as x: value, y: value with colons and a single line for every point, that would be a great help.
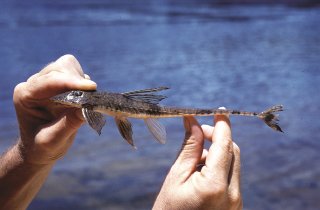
x: 270, y: 118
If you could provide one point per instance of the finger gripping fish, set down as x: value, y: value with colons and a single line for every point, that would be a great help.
x: 143, y: 104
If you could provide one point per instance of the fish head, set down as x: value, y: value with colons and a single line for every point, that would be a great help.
x: 75, y: 98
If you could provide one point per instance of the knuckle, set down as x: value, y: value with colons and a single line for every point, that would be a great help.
x: 18, y: 89
x: 190, y: 140
x: 218, y: 191
x: 189, y: 146
x: 53, y: 73
x: 227, y: 145
x: 20, y: 93
x: 33, y: 77
x: 211, y: 188
x: 51, y: 77
x: 69, y: 63
x: 213, y: 191
x: 236, y: 149
x: 235, y: 199
x: 68, y: 58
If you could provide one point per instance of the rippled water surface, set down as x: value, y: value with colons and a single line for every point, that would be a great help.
x: 240, y: 57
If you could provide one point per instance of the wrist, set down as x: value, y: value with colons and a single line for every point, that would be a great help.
x: 20, y: 180
x: 24, y: 153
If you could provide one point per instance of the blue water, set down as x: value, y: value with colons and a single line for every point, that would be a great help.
x: 242, y: 57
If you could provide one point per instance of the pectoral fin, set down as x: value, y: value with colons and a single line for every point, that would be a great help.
x: 125, y: 129
x: 157, y: 129
x: 96, y: 120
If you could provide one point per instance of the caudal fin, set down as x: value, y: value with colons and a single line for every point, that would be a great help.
x: 270, y: 118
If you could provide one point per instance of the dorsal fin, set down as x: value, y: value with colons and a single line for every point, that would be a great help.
x: 149, y: 90
x: 146, y: 95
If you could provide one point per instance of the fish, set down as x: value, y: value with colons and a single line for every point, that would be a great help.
x: 144, y: 104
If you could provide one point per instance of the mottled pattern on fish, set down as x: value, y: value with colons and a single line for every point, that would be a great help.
x: 143, y: 104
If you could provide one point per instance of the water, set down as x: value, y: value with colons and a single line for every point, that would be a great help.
x: 239, y: 57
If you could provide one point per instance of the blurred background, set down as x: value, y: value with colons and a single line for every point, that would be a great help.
x: 247, y: 55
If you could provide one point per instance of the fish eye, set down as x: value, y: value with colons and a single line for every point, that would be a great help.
x: 77, y: 93
x: 74, y: 95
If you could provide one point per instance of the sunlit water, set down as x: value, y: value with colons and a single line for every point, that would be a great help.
x: 239, y: 57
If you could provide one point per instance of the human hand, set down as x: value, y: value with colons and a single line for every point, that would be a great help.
x: 47, y: 130
x: 217, y: 184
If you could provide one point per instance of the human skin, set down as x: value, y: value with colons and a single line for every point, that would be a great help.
x: 216, y: 186
x: 46, y: 130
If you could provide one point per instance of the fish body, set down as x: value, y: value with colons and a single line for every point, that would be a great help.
x: 143, y: 104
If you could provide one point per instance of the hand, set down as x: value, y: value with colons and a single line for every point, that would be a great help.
x: 47, y: 130
x: 214, y: 186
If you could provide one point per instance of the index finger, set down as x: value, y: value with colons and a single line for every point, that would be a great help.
x: 219, y: 158
x: 67, y: 64
x: 60, y: 76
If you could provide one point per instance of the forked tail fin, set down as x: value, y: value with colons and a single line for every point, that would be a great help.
x: 270, y: 118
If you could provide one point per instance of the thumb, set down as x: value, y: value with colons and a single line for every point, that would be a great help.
x: 192, y: 147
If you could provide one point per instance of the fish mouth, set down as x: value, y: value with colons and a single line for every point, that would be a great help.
x: 60, y: 100
x: 67, y: 104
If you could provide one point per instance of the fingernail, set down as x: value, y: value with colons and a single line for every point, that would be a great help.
x: 224, y: 108
x: 79, y: 114
x: 86, y: 76
x: 88, y: 84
